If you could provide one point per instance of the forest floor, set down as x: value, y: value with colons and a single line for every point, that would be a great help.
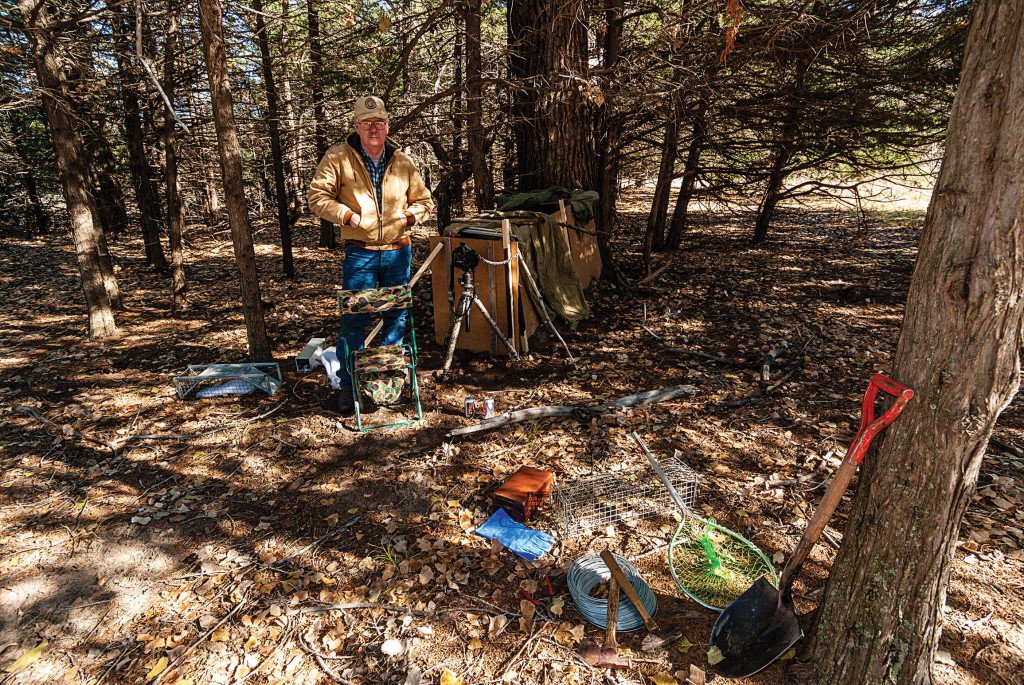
x: 214, y: 552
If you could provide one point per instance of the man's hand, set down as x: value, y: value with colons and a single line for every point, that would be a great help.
x: 354, y: 220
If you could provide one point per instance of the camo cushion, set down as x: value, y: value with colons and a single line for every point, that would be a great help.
x: 383, y: 388
x: 374, y: 300
x: 376, y: 359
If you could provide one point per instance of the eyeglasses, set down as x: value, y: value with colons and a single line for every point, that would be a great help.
x: 375, y: 125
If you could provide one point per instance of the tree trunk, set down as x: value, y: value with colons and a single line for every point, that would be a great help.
x: 72, y: 167
x: 554, y: 122
x: 783, y: 151
x: 175, y: 209
x: 608, y: 129
x: 290, y: 132
x: 39, y: 220
x: 457, y: 118
x: 234, y: 186
x: 881, y: 612
x: 141, y: 177
x: 483, y: 182
x: 328, y: 237
x: 654, y: 235
x: 277, y: 161
x: 680, y: 215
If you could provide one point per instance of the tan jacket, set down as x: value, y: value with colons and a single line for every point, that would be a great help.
x: 341, y: 187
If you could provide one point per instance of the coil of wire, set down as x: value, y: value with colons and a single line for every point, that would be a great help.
x: 586, y: 572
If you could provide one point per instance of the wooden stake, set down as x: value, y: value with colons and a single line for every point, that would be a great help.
x: 506, y: 246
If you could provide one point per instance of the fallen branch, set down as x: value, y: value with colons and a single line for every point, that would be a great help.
x: 318, y: 657
x: 185, y: 652
x: 690, y: 353
x: 580, y: 413
x: 60, y: 429
x: 651, y: 276
x: 364, y: 605
x: 712, y: 408
x: 766, y: 363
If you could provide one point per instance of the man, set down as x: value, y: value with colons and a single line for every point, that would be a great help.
x: 373, y: 191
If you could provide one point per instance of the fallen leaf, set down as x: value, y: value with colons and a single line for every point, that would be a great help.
x: 778, y: 558
x: 788, y: 655
x: 496, y: 624
x: 449, y: 678
x: 28, y: 657
x: 663, y: 679
x: 683, y: 644
x: 528, y: 609
x: 715, y: 655
x: 158, y: 668
x: 220, y: 635
x: 332, y: 520
x: 475, y: 643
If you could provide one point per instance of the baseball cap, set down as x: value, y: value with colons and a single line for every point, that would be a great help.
x: 370, y: 107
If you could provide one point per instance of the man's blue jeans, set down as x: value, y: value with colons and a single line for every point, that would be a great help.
x: 364, y: 269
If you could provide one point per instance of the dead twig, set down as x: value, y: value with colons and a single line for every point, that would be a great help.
x: 766, y: 363
x: 581, y: 413
x: 60, y: 429
x: 188, y: 650
x: 690, y: 353
x: 321, y: 662
x: 712, y: 407
x: 364, y: 605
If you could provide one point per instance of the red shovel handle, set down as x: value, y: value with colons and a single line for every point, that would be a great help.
x: 869, y: 428
x: 869, y: 425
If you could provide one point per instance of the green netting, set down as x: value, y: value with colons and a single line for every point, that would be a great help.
x: 713, y: 565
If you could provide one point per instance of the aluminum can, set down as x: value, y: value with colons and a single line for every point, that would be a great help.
x: 469, y: 407
x: 489, y: 408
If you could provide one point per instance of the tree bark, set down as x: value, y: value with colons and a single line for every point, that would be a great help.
x: 290, y: 134
x: 175, y: 208
x: 142, y: 181
x: 483, y: 182
x: 881, y: 612
x: 72, y: 167
x: 328, y: 238
x: 39, y: 220
x: 609, y: 132
x: 277, y: 160
x: 680, y: 214
x: 214, y: 48
x: 783, y: 152
x: 554, y: 122
x: 457, y: 118
x: 654, y: 235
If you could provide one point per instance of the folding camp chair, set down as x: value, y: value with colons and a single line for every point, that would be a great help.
x: 380, y: 373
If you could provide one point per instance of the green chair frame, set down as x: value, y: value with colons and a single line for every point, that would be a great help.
x: 372, y: 301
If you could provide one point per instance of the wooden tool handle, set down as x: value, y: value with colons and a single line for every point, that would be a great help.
x: 627, y: 587
x: 613, y: 616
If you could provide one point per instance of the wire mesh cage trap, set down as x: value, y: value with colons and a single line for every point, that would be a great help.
x: 219, y: 380
x: 596, y: 501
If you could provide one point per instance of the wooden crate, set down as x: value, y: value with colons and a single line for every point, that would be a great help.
x: 493, y: 289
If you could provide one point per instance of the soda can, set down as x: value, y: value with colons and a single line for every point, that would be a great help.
x: 470, y: 407
x: 489, y: 408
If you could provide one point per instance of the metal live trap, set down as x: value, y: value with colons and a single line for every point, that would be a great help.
x: 220, y: 380
x: 593, y: 502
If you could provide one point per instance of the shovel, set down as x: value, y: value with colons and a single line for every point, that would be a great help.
x: 761, y: 625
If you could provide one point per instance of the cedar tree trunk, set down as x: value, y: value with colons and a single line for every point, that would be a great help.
x: 483, y: 182
x: 881, y: 612
x: 234, y: 186
x: 554, y: 122
x: 328, y: 238
x: 72, y: 167
x: 175, y: 208
x: 277, y: 160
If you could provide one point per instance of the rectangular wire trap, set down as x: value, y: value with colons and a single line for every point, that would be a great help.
x: 220, y: 380
x: 595, y: 501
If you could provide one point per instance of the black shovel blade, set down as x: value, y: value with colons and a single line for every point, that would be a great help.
x: 753, y: 631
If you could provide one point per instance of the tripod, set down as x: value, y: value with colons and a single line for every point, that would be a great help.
x: 466, y: 260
